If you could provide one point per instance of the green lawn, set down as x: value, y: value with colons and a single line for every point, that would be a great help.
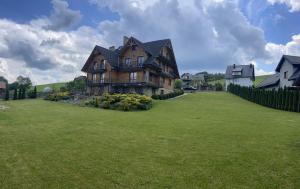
x: 202, y: 140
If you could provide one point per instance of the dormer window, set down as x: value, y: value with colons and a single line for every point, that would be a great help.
x: 237, y: 71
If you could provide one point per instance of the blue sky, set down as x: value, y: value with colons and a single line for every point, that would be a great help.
x: 42, y: 37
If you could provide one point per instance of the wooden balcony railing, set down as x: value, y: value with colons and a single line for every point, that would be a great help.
x: 97, y: 69
x: 124, y: 83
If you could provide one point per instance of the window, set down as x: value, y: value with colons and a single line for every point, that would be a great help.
x: 102, y: 76
x: 102, y: 65
x: 140, y: 60
x: 236, y: 73
x: 170, y: 82
x: 96, y: 65
x: 128, y: 61
x: 94, y: 77
x: 132, y: 76
x: 133, y: 47
x: 285, y: 75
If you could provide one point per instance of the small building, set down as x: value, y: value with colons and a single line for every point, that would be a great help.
x: 242, y: 75
x: 135, y: 67
x: 287, y: 74
x: 192, y: 82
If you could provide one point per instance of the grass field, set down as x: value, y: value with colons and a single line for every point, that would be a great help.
x: 201, y: 140
x: 258, y: 80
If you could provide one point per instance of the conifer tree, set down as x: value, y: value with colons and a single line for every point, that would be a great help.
x: 6, y: 94
x: 34, y: 92
x: 15, y: 94
x: 20, y: 93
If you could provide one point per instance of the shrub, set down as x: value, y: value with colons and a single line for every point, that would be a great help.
x: 219, y: 87
x: 125, y: 102
x: 32, y: 93
x: 58, y: 96
x: 169, y: 95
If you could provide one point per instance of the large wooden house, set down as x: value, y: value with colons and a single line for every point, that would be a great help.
x: 135, y: 67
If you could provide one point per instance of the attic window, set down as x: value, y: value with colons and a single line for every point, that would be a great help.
x: 133, y: 47
x: 237, y: 73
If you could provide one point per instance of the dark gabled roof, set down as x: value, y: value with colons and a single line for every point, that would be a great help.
x: 269, y: 81
x: 153, y: 48
x: 247, y: 71
x: 294, y: 60
x: 110, y: 55
x: 296, y: 74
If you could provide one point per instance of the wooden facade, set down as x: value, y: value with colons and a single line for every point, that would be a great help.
x: 136, y: 67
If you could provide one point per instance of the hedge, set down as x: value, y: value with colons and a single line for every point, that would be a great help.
x: 282, y: 99
x: 169, y: 95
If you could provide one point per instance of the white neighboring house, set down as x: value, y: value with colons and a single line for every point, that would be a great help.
x: 287, y: 74
x: 242, y: 75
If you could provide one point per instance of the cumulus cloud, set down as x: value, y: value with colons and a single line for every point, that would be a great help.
x: 44, y: 55
x: 294, y: 5
x: 207, y: 34
x: 277, y: 50
x: 61, y: 17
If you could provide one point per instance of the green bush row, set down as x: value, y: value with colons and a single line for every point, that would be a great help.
x: 58, y: 96
x: 125, y: 102
x: 169, y: 95
x: 282, y: 99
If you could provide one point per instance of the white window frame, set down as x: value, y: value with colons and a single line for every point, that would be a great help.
x: 102, y: 78
x: 140, y: 60
x: 133, y: 76
x: 128, y: 61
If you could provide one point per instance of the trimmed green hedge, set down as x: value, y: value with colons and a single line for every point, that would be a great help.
x: 282, y: 99
x: 169, y: 95
x: 125, y: 102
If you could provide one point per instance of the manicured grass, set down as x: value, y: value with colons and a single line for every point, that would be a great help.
x: 201, y: 140
x: 54, y: 86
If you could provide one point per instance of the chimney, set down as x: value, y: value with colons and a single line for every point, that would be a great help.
x: 112, y: 48
x: 251, y: 65
x: 125, y: 40
x: 233, y: 65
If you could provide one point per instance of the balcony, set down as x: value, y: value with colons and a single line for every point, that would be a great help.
x: 123, y: 83
x: 134, y: 83
x: 133, y: 66
x: 97, y: 69
x: 97, y: 83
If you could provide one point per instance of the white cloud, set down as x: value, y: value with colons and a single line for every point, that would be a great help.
x: 206, y: 35
x: 277, y: 50
x: 294, y: 5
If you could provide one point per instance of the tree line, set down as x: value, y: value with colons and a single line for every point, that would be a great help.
x: 282, y: 99
x: 22, y: 88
